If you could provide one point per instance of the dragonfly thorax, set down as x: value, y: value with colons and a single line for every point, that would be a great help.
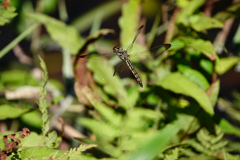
x: 121, y: 53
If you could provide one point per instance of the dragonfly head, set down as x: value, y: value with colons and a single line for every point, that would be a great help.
x: 115, y: 48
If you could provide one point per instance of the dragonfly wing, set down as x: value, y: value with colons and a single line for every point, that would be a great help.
x: 161, y: 49
x: 118, y: 67
x: 135, y: 37
x: 155, y: 52
x: 113, y: 59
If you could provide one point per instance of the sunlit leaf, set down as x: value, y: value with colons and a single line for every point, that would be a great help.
x: 139, y: 117
x: 129, y: 16
x: 32, y: 140
x: 103, y: 74
x: 194, y: 76
x: 6, y: 14
x: 183, y: 122
x: 50, y: 5
x: 205, y: 47
x: 39, y: 152
x: 200, y: 22
x: 3, y: 21
x: 133, y: 95
x: 105, y: 147
x: 66, y: 36
x: 156, y: 144
x: 178, y: 83
x: 213, y: 92
x: 14, y: 78
x: 225, y: 64
x: 228, y: 128
x: 11, y: 112
x: 32, y: 118
x: 207, y: 65
x: 183, y: 103
x: 108, y: 114
x: 188, y: 9
x: 173, y: 155
x: 177, y: 44
x: 230, y: 12
x: 102, y: 130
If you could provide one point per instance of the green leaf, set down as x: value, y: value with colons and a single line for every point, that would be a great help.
x: 3, y: 21
x: 188, y: 9
x: 183, y: 122
x: 6, y: 14
x: 129, y: 16
x: 213, y: 92
x: 39, y: 153
x: 52, y: 140
x: 155, y: 145
x: 57, y: 85
x: 8, y: 111
x: 133, y: 95
x: 236, y: 38
x: 104, y: 95
x: 15, y: 78
x: 138, y: 138
x: 173, y: 155
x: 200, y: 22
x: 177, y: 44
x: 152, y: 99
x: 103, y: 74
x: 49, y: 5
x: 9, y: 12
x: 194, y: 76
x: 102, y: 130
x: 224, y: 64
x: 201, y: 157
x: 108, y: 114
x: 32, y: 118
x: 139, y: 117
x: 228, y: 128
x: 230, y: 12
x: 178, y: 83
x: 105, y: 147
x: 201, y: 45
x: 205, y: 47
x: 32, y: 140
x: 66, y: 36
x: 83, y: 147
x: 207, y: 65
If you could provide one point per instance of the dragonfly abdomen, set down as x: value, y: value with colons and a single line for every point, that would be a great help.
x: 134, y: 72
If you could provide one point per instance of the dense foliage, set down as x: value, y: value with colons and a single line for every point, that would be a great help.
x: 177, y: 114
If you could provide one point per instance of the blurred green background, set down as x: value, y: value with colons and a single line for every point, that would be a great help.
x: 188, y: 107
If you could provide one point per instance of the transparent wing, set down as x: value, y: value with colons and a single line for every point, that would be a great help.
x: 120, y: 67
x: 155, y: 52
x: 135, y: 37
x: 134, y: 57
x: 113, y: 59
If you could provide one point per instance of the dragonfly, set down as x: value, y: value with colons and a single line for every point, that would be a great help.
x: 124, y: 56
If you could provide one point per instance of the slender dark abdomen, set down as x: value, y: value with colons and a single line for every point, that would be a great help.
x: 134, y: 72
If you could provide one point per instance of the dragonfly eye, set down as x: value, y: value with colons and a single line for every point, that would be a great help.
x: 115, y: 47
